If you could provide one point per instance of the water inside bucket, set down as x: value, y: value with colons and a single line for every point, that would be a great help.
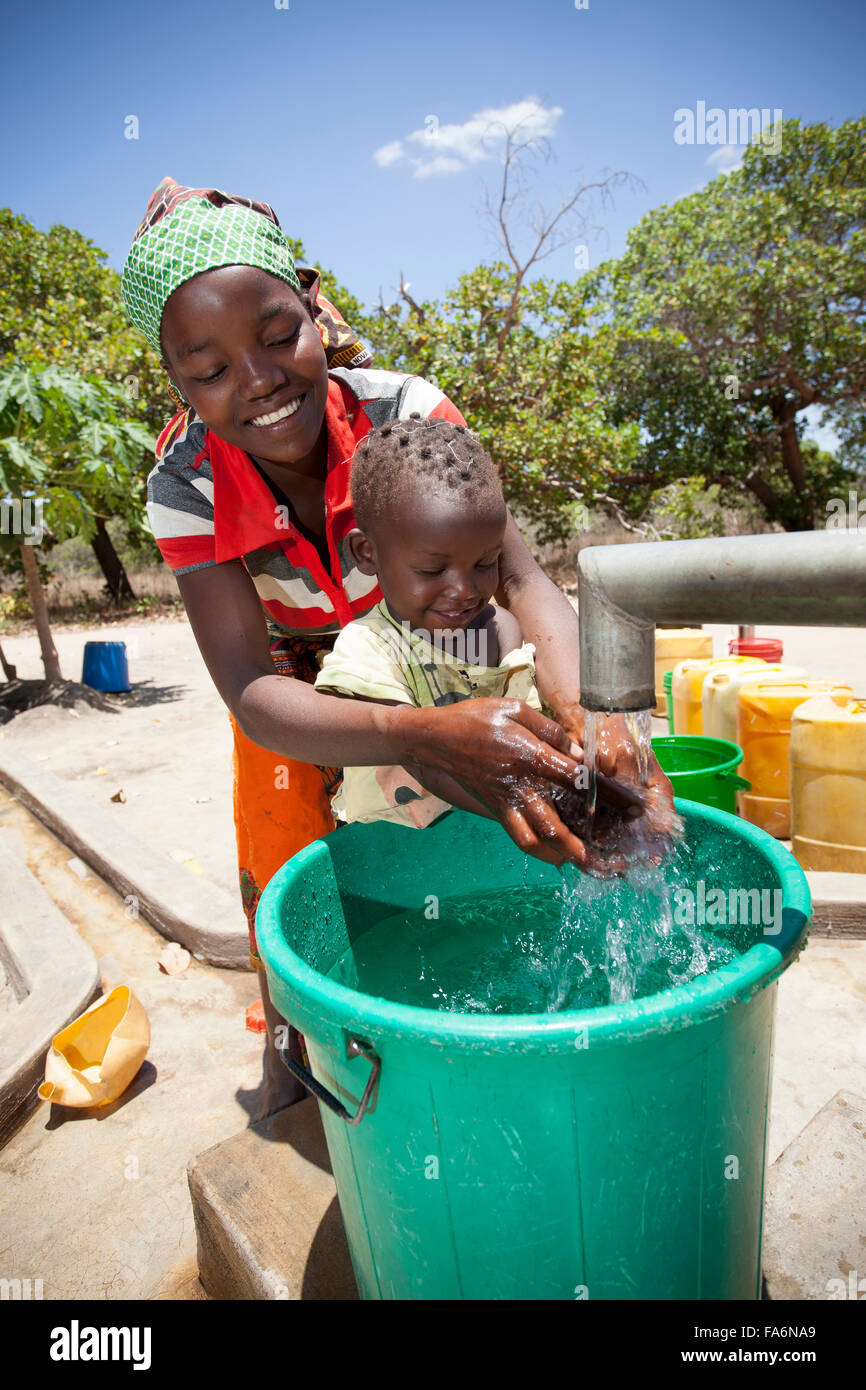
x: 543, y: 949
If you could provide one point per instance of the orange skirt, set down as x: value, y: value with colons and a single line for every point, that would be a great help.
x: 279, y: 805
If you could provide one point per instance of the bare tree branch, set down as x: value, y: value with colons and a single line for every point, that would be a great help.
x: 550, y: 231
x: 404, y: 294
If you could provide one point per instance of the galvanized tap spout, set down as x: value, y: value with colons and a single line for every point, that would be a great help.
x: 809, y: 578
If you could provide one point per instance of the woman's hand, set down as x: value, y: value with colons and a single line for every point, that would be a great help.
x: 508, y: 756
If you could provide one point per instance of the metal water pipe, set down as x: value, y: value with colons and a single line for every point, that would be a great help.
x: 808, y: 578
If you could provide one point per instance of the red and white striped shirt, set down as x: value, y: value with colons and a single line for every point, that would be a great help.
x: 208, y: 503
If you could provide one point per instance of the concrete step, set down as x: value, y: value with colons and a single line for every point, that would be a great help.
x: 51, y: 976
x: 267, y: 1219
x: 815, y: 1207
x: 181, y: 906
x: 838, y: 904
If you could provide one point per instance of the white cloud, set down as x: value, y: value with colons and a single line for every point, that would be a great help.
x: 388, y: 154
x: 441, y: 164
x: 727, y: 158
x: 449, y: 148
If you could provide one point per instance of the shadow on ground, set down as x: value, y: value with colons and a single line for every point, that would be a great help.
x: 145, y: 693
x: 17, y: 696
x: 62, y: 1114
x: 328, y: 1272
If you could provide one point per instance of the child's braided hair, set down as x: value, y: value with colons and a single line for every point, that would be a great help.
x: 433, y: 454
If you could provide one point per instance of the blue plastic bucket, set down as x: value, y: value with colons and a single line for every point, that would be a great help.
x: 105, y: 666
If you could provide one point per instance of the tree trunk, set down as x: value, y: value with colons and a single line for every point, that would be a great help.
x: 798, y: 517
x: 9, y: 671
x: 110, y: 563
x: 785, y: 413
x: 50, y: 659
x: 765, y: 494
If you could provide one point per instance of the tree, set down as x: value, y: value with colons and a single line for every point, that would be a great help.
x: 341, y: 298
x: 734, y: 310
x: 60, y: 305
x: 510, y: 347
x: 66, y: 447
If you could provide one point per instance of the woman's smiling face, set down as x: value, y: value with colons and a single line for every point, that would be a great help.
x: 244, y: 350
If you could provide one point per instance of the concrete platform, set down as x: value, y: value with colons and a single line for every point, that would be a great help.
x: 181, y: 905
x: 136, y: 1237
x: 838, y: 904
x: 167, y: 743
x: 52, y: 974
x: 267, y: 1220
x: 815, y: 1209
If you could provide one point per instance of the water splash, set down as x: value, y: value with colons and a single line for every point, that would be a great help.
x: 537, y: 950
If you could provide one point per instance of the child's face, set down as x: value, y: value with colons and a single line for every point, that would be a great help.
x: 437, y: 563
x: 241, y: 346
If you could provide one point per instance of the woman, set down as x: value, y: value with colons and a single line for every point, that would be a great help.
x: 250, y: 505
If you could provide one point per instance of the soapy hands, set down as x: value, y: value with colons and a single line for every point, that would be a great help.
x: 617, y: 836
x: 507, y: 761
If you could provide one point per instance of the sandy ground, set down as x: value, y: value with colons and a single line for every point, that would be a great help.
x: 168, y: 744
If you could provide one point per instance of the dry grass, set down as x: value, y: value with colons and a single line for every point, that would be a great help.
x: 67, y: 591
x: 81, y: 598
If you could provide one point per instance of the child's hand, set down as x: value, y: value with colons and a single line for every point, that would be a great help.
x: 615, y: 839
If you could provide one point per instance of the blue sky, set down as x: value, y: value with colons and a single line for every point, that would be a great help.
x: 291, y: 105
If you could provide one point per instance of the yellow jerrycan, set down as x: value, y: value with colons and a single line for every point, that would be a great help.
x: 828, y: 783
x: 93, y: 1060
x: 673, y: 645
x: 688, y: 684
x: 764, y: 711
x: 722, y: 687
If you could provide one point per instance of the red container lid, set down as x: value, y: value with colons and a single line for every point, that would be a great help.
x: 770, y: 648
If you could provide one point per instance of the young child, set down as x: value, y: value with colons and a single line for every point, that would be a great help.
x: 431, y: 515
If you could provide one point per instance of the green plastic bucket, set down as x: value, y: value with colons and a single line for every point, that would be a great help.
x: 702, y: 769
x: 669, y: 699
x: 614, y: 1152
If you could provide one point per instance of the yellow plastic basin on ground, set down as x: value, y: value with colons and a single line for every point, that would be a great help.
x: 764, y: 711
x: 687, y: 687
x: 93, y: 1059
x: 673, y: 645
x: 722, y: 687
x: 828, y: 783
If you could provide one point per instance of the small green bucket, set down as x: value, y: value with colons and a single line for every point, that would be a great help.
x: 702, y: 769
x: 669, y: 699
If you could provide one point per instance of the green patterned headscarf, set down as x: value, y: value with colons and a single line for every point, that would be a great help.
x: 190, y: 230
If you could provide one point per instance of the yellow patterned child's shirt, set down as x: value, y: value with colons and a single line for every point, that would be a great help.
x: 381, y: 659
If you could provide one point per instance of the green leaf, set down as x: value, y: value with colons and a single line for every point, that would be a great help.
x: 26, y: 461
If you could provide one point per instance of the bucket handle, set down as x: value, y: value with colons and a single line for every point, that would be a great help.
x: 742, y: 783
x: 355, y: 1047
